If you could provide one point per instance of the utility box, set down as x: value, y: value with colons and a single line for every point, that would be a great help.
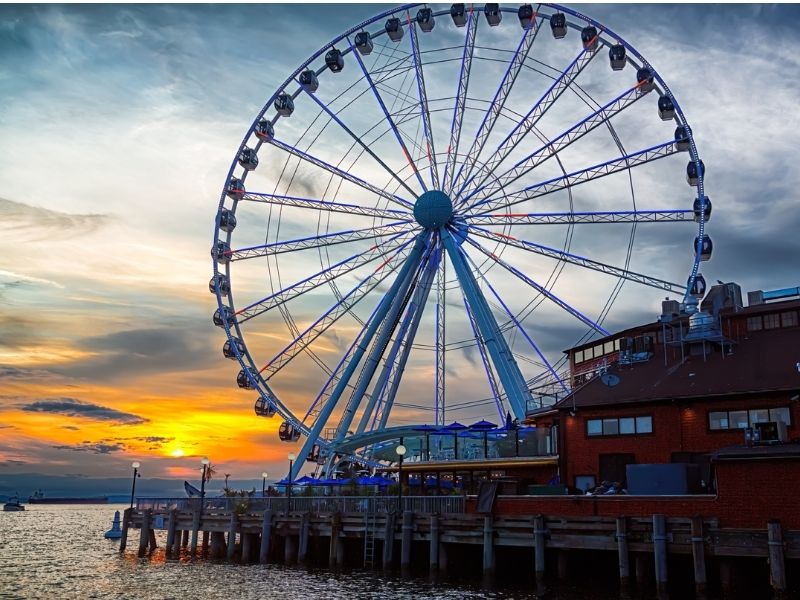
x: 672, y: 479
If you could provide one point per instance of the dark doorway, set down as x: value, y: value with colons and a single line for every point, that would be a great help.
x: 612, y: 467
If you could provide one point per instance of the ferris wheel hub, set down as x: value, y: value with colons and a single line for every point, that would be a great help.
x: 433, y: 209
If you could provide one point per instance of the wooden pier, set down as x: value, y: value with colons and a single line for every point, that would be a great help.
x: 364, y: 533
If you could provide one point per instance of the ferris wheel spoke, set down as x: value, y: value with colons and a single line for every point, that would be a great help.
x: 334, y: 313
x: 423, y: 101
x: 542, y: 290
x: 339, y: 172
x: 484, y: 359
x: 502, y: 358
x: 358, y: 140
x: 529, y: 121
x: 417, y: 298
x: 387, y: 115
x: 497, y: 103
x: 574, y: 218
x: 628, y: 161
x: 319, y: 241
x: 441, y: 340
x: 461, y: 98
x: 319, y: 279
x: 385, y: 306
x: 559, y: 142
x: 579, y: 261
x: 326, y: 205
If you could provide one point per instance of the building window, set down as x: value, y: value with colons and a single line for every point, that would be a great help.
x: 619, y: 426
x: 616, y: 345
x: 740, y: 419
x: 789, y: 319
x: 754, y: 323
x: 608, y: 347
x: 772, y: 321
x: 579, y: 357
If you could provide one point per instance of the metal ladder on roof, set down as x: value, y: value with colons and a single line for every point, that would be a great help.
x: 370, y: 525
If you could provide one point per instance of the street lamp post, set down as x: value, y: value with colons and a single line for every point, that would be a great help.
x: 204, y: 462
x: 135, y: 466
x: 401, y: 452
x: 291, y: 457
x: 264, y: 476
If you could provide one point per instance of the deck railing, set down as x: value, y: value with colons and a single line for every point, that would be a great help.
x: 313, y: 504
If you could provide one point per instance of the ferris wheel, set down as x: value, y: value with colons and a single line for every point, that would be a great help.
x: 428, y: 197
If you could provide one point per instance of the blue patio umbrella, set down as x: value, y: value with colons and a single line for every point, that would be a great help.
x: 455, y: 427
x: 306, y: 480
x: 427, y: 429
x: 485, y: 427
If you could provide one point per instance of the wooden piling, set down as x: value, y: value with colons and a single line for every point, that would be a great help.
x: 562, y: 565
x: 488, y: 545
x: 660, y: 551
x: 777, y: 564
x: 126, y: 523
x: 726, y: 577
x: 434, y: 544
x: 185, y: 539
x: 173, y: 518
x: 538, y: 541
x: 443, y: 558
x: 205, y: 543
x: 290, y: 549
x: 623, y: 556
x: 152, y: 540
x: 699, y: 556
x: 176, y: 542
x: 642, y: 568
x: 144, y: 532
x: 247, y: 546
x: 232, y: 527
x: 388, y: 540
x: 266, y: 531
x: 217, y: 544
x: 406, y: 538
x: 195, y: 530
x: 336, y: 525
x: 305, y: 532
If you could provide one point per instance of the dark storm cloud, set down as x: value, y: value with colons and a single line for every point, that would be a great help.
x: 141, y: 351
x: 77, y: 408
x: 16, y: 373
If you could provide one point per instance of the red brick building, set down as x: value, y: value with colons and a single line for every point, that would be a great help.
x: 679, y: 389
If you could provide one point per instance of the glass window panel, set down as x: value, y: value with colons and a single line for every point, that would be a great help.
x: 594, y: 427
x: 608, y: 347
x: 644, y: 424
x: 754, y: 323
x: 616, y: 345
x: 587, y: 354
x: 598, y: 350
x: 579, y: 357
x: 610, y: 426
x: 718, y: 420
x: 789, y: 319
x: 738, y: 419
x: 772, y: 321
x: 780, y: 414
x: 627, y: 425
x: 760, y: 415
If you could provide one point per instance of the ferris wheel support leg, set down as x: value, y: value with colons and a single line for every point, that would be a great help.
x: 415, y: 308
x: 399, y: 300
x: 412, y: 260
x: 504, y: 362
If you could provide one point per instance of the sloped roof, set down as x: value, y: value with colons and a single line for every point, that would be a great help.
x: 765, y: 361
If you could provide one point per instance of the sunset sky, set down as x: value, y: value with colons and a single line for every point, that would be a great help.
x: 117, y: 128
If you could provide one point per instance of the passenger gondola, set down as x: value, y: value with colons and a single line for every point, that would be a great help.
x: 394, y: 29
x: 525, y: 15
x: 645, y: 79
x: 309, y: 81
x: 558, y: 25
x: 221, y: 251
x: 248, y: 159
x: 334, y: 60
x: 425, y: 19
x: 235, y: 188
x: 692, y: 176
x: 227, y: 220
x: 697, y: 208
x: 288, y: 432
x: 681, y: 139
x: 706, y: 247
x: 243, y: 381
x: 698, y: 289
x: 617, y: 57
x: 589, y: 38
x: 264, y: 408
x: 493, y: 14
x: 364, y: 43
x: 284, y: 104
x: 220, y: 280
x: 222, y: 316
x: 666, y: 108
x: 459, y: 14
x: 231, y: 346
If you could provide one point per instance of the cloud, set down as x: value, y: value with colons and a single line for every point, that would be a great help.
x: 16, y: 373
x: 77, y: 408
x: 94, y: 448
x: 31, y: 223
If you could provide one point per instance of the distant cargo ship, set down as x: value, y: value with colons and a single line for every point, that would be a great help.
x: 39, y: 498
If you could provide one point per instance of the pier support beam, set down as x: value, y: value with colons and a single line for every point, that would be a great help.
x: 699, y: 556
x: 305, y: 532
x: 726, y: 577
x: 623, y: 555
x: 185, y: 540
x: 217, y: 544
x: 266, y: 532
x: 126, y: 523
x: 173, y: 518
x: 290, y: 549
x: 488, y: 546
x: 443, y: 557
x: 660, y: 551
x: 195, y: 530
x: 176, y: 542
x: 777, y: 564
x: 232, y: 527
x: 144, y: 533
x: 152, y: 539
x: 388, y: 540
x: 562, y: 566
x: 642, y: 563
x: 434, y: 544
x: 538, y: 542
x: 407, y: 537
x: 204, y: 544
x: 333, y: 548
x: 247, y: 546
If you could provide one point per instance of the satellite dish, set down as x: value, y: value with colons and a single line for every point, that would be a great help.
x: 609, y: 380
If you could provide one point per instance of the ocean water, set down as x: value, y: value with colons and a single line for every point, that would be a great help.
x: 55, y: 551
